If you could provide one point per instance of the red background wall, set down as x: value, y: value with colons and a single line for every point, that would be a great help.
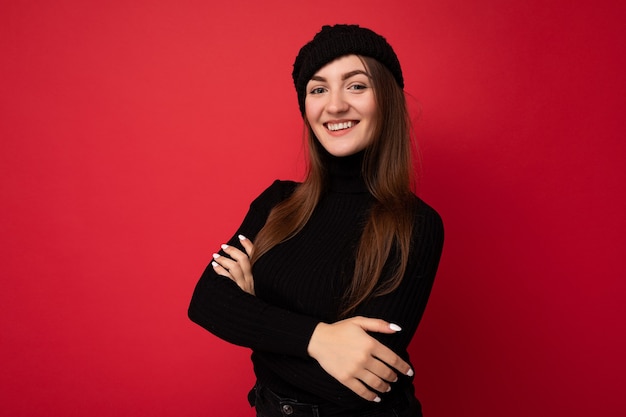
x: 134, y: 135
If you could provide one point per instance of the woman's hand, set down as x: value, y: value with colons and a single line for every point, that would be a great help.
x: 238, y: 268
x: 356, y: 359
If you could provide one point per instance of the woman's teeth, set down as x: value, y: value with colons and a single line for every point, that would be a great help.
x: 339, y: 126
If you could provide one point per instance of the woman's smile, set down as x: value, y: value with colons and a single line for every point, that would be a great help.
x: 340, y: 127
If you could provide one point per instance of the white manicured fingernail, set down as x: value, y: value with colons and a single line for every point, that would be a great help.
x: 377, y: 399
x: 215, y: 264
x: 224, y: 246
x: 242, y: 237
x: 395, y: 327
x: 216, y: 255
x: 410, y: 373
x: 388, y: 388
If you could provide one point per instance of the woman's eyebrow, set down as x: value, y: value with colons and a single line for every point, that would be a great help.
x: 353, y: 73
x: 343, y: 77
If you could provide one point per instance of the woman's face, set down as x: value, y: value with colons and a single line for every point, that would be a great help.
x: 340, y: 106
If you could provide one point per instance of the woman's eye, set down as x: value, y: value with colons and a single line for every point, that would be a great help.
x: 358, y: 87
x: 317, y: 90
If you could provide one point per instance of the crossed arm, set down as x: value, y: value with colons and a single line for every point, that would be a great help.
x: 343, y: 349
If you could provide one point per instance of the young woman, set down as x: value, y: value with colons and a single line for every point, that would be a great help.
x: 326, y: 280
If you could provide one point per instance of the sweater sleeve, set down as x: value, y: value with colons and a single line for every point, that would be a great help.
x: 222, y: 308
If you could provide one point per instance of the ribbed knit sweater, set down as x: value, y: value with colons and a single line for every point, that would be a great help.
x: 299, y: 283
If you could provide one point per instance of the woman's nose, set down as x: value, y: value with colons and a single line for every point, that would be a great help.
x: 337, y: 102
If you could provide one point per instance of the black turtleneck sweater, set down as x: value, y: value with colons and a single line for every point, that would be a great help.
x: 299, y: 283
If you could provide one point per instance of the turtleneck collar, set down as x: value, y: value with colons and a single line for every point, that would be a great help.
x: 345, y: 173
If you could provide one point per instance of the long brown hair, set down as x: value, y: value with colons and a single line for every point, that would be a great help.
x: 387, y: 171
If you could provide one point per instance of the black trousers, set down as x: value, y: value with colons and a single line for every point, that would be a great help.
x: 268, y: 404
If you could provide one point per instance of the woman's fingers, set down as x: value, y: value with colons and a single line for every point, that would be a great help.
x: 374, y: 382
x: 381, y: 370
x: 236, y: 266
x: 232, y: 269
x: 348, y: 353
x: 247, y: 245
x: 220, y: 270
x: 361, y: 390
x: 375, y: 325
x: 242, y: 259
x: 382, y: 352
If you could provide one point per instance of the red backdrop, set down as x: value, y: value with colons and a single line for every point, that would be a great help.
x: 134, y: 135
